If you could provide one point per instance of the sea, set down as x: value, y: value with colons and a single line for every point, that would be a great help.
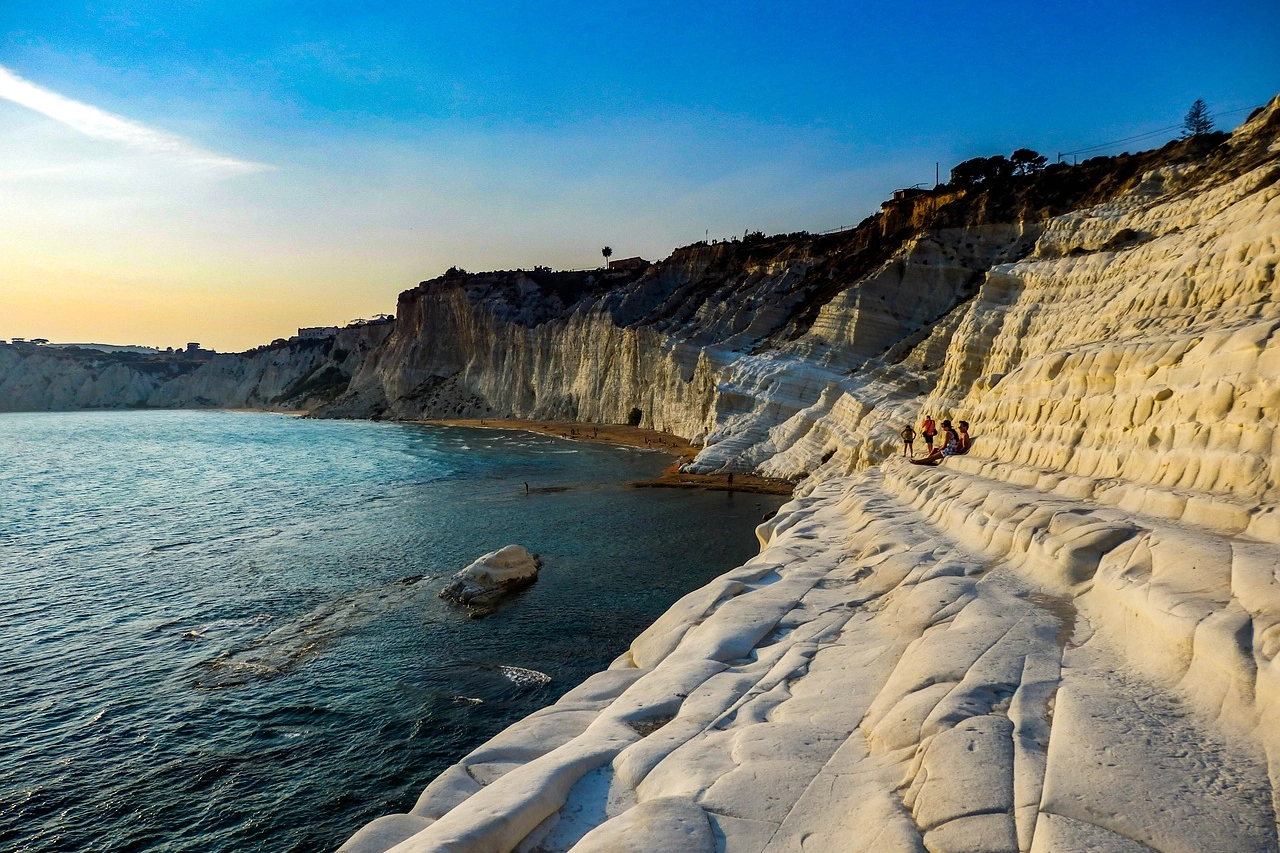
x: 220, y: 631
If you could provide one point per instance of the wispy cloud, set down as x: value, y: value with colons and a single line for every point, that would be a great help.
x: 100, y: 124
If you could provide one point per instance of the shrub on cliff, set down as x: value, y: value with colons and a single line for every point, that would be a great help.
x: 981, y: 171
x: 984, y: 171
x: 1028, y: 162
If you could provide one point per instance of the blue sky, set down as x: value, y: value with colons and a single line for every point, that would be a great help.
x: 226, y: 172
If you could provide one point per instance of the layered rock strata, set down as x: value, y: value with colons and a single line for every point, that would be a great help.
x: 298, y: 375
x: 1065, y: 640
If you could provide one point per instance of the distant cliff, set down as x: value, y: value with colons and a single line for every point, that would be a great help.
x: 292, y: 376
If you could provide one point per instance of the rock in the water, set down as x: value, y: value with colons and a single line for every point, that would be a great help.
x: 484, y: 583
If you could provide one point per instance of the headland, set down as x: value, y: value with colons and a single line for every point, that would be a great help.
x: 1066, y: 640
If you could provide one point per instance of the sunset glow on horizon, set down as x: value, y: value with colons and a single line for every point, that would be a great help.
x: 228, y: 174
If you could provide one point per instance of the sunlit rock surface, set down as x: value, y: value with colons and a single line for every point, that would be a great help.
x: 1065, y: 640
x: 496, y: 575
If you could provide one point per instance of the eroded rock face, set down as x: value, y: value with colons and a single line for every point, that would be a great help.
x: 804, y: 355
x: 296, y: 376
x: 481, y: 586
x: 1065, y: 640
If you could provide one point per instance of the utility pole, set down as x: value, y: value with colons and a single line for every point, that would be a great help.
x: 937, y: 174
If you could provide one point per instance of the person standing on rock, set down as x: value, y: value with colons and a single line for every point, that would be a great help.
x: 928, y: 429
x: 908, y: 441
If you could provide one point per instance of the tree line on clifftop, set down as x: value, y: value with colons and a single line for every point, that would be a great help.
x: 1021, y: 185
x: 1025, y: 162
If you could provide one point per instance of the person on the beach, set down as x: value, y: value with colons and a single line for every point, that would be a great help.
x: 963, y: 438
x: 928, y: 429
x: 908, y: 441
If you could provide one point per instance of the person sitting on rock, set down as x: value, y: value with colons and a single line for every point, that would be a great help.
x: 950, y: 447
x: 908, y: 441
x: 963, y: 438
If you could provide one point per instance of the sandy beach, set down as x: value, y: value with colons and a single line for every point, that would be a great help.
x: 671, y: 478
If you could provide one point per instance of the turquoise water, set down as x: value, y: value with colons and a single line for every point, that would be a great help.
x: 219, y: 631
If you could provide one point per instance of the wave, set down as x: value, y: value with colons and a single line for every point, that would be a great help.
x: 524, y: 677
x: 238, y: 535
x: 156, y: 549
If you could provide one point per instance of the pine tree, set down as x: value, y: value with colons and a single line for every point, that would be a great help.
x: 1198, y: 120
x: 1028, y: 162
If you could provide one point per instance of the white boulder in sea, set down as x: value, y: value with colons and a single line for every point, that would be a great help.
x: 481, y: 585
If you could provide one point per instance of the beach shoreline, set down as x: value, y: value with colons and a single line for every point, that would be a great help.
x: 650, y: 439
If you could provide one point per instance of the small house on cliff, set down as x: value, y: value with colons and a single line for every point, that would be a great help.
x: 312, y: 333
x: 628, y: 264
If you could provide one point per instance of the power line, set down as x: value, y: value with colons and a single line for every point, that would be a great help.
x: 1142, y: 136
x: 1121, y: 141
x: 1139, y: 137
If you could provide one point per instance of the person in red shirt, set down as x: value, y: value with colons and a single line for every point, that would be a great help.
x: 928, y: 429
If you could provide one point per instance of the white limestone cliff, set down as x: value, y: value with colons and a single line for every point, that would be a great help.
x: 1065, y: 640
x: 298, y: 375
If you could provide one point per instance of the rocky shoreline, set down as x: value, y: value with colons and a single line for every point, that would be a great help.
x: 1066, y: 640
x: 676, y: 476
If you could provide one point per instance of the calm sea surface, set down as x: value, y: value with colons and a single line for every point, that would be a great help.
x: 213, y: 636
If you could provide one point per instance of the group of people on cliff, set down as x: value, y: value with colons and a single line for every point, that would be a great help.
x: 955, y: 441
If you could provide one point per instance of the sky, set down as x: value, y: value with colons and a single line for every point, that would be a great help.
x: 177, y: 170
